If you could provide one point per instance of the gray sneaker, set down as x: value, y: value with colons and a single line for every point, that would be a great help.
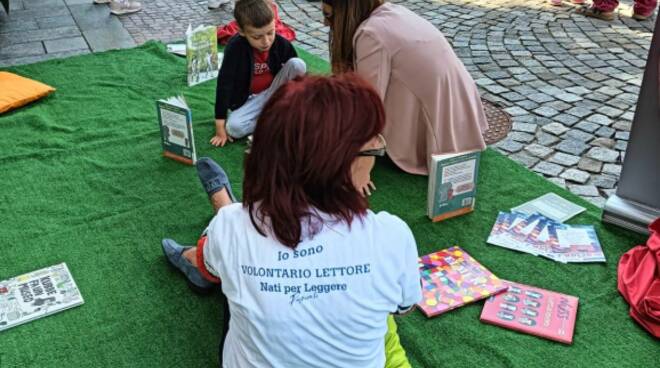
x: 215, y: 4
x: 119, y: 7
x: 101, y: 1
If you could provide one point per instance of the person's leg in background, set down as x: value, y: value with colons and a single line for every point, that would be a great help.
x: 395, y: 355
x: 601, y: 9
x: 643, y: 9
x: 243, y: 121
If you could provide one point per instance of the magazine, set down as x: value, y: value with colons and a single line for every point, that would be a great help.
x: 539, y: 235
x: 175, y: 122
x: 452, y: 278
x: 551, y: 206
x: 37, y: 294
x: 452, y: 187
x: 201, y: 54
x: 532, y: 310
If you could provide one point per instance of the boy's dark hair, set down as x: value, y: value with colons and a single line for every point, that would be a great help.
x: 254, y: 13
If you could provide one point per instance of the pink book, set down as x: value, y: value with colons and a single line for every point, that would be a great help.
x: 452, y: 278
x: 534, y: 311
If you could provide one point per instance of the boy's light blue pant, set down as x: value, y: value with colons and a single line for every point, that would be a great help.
x: 243, y: 121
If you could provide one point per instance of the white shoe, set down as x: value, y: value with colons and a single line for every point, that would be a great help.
x: 102, y: 1
x: 215, y: 4
x: 119, y: 7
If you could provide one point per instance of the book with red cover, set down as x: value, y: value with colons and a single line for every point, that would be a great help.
x: 452, y: 278
x: 534, y: 311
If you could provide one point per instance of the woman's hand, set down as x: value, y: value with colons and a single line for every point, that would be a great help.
x: 361, y: 173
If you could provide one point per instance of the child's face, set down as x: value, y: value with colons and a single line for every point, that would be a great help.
x: 260, y: 38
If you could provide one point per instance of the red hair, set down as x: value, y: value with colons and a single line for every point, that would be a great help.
x: 308, y: 135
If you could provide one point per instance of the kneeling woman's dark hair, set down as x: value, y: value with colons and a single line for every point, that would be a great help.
x: 306, y: 139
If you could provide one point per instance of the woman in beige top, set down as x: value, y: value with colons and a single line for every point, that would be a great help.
x: 432, y: 104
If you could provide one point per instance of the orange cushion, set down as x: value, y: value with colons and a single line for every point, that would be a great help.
x: 16, y: 91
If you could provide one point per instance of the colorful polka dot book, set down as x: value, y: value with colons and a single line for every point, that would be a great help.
x: 451, y: 278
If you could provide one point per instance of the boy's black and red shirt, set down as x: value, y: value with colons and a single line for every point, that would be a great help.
x: 235, y: 78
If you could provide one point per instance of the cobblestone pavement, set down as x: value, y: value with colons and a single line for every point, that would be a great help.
x: 569, y: 82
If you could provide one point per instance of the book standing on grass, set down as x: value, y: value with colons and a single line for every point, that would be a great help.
x: 201, y: 54
x: 451, y: 278
x: 37, y: 294
x: 534, y: 311
x: 175, y: 122
x: 452, y: 184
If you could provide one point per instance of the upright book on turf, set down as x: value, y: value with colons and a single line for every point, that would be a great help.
x: 37, y: 294
x: 175, y: 121
x: 533, y: 310
x: 452, y: 278
x: 201, y: 54
x: 452, y: 184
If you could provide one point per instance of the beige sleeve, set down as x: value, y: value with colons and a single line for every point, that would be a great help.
x: 372, y: 62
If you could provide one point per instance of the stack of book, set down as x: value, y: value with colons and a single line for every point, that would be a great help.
x: 540, y: 235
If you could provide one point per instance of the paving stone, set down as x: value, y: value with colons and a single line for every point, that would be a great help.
x: 509, y: 145
x: 575, y: 175
x: 564, y: 159
x: 600, y: 119
x: 558, y: 181
x: 605, y: 132
x: 21, y: 50
x: 584, y: 190
x: 538, y: 150
x: 579, y: 111
x: 621, y: 145
x: 622, y: 125
x: 546, y: 111
x: 603, y: 142
x: 568, y: 97
x: 540, y: 97
x: 65, y: 44
x: 524, y: 127
x: 516, y: 111
x: 590, y: 165
x: 546, y: 139
x: 521, y: 137
x: 597, y: 201
x: 578, y: 135
x: 572, y: 146
x: 547, y: 168
x: 495, y: 88
x: 55, y: 22
x: 604, y: 181
x: 622, y: 135
x: 610, y: 111
x: 578, y: 90
x: 555, y: 128
x: 612, y: 169
x: 587, y: 126
x: 568, y: 120
x: 603, y: 154
x: 524, y: 159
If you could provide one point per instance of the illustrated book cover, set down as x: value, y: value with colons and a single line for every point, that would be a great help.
x: 534, y: 311
x: 201, y: 54
x: 452, y: 185
x: 37, y: 294
x: 452, y: 278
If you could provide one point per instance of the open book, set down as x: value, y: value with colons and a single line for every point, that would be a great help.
x: 175, y: 122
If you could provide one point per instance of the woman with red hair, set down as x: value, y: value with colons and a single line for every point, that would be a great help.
x: 311, y: 275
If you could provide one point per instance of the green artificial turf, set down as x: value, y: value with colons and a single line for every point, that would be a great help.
x: 83, y: 182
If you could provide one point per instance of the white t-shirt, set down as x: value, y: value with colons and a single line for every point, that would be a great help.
x: 324, y: 304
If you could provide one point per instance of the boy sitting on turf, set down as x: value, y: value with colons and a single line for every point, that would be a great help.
x: 256, y: 63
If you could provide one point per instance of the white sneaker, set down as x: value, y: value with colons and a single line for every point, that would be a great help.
x: 119, y: 7
x: 215, y: 4
x: 102, y: 1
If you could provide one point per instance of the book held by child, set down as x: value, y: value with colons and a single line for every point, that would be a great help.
x: 175, y: 121
x: 37, y: 294
x: 201, y: 54
x: 534, y: 311
x: 452, y: 184
x: 451, y: 278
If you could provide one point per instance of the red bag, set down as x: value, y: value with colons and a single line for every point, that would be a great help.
x: 229, y: 30
x: 639, y: 281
